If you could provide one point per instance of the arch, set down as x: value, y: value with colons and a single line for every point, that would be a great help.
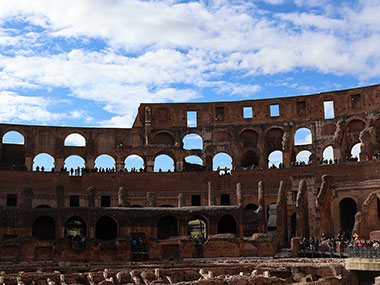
x: 221, y: 160
x: 106, y: 228
x: 75, y: 227
x: 194, y: 159
x: 13, y: 137
x: 166, y: 227
x: 251, y: 206
x: 293, y: 225
x: 163, y: 162
x: 355, y: 126
x: 249, y: 159
x: 273, y: 139
x: 347, y: 210
x: 163, y: 138
x: 303, y: 157
x: 44, y: 228
x: 105, y: 161
x: 275, y: 159
x: 272, y: 217
x: 355, y: 151
x: 192, y: 141
x: 75, y: 139
x: 249, y: 138
x: 43, y: 206
x: 328, y: 153
x: 74, y: 162
x: 197, y: 226
x: 43, y: 162
x: 134, y: 163
x: 227, y: 224
x: 303, y: 136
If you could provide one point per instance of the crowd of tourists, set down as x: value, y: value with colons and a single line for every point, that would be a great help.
x: 344, y: 244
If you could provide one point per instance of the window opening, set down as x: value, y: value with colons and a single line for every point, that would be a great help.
x: 247, y: 112
x: 191, y: 119
x: 225, y: 199
x: 106, y: 201
x: 195, y: 200
x: 74, y: 200
x: 219, y: 111
x: 275, y: 110
x: 329, y: 109
x: 11, y: 200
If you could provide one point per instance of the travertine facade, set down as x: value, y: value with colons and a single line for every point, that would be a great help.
x: 46, y: 205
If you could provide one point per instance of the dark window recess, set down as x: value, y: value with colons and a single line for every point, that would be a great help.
x: 219, y: 112
x: 11, y: 200
x: 74, y: 200
x: 106, y: 201
x: 355, y: 101
x: 162, y: 114
x: 195, y: 200
x: 225, y: 199
x: 301, y: 108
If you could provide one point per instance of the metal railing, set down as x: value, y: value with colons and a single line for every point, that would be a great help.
x: 363, y: 252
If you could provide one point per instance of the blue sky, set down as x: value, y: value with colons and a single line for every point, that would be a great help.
x: 92, y: 62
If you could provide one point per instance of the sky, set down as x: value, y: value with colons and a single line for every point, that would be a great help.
x: 92, y: 62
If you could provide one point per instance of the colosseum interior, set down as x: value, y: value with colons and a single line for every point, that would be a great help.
x: 229, y: 220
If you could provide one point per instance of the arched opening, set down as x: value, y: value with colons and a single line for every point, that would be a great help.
x: 249, y: 138
x: 43, y: 228
x: 74, y: 164
x: 43, y: 162
x: 253, y: 207
x: 167, y: 227
x: 347, y: 209
x: 43, y: 206
x: 293, y: 224
x: 75, y: 139
x: 105, y: 162
x: 222, y: 160
x: 13, y: 151
x: 75, y: 228
x: 13, y: 137
x: 355, y: 152
x: 163, y: 138
x: 197, y: 228
x: 134, y: 163
x: 249, y: 159
x: 303, y: 157
x: 272, y: 217
x: 328, y: 155
x: 275, y: 159
x: 273, y: 140
x: 163, y: 163
x: 303, y: 137
x: 192, y: 141
x: 227, y: 224
x: 106, y: 228
x: 193, y: 163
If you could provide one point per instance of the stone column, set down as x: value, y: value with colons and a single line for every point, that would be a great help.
x: 261, y: 204
x: 119, y: 165
x: 29, y: 163
x: 91, y: 193
x: 181, y: 200
x: 123, y: 197
x: 60, y: 192
x: 302, y: 223
x: 150, y: 199
x: 90, y: 163
x: 59, y: 163
x: 239, y: 195
x: 149, y: 163
x: 211, y: 194
x: 282, y: 226
x: 26, y: 198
